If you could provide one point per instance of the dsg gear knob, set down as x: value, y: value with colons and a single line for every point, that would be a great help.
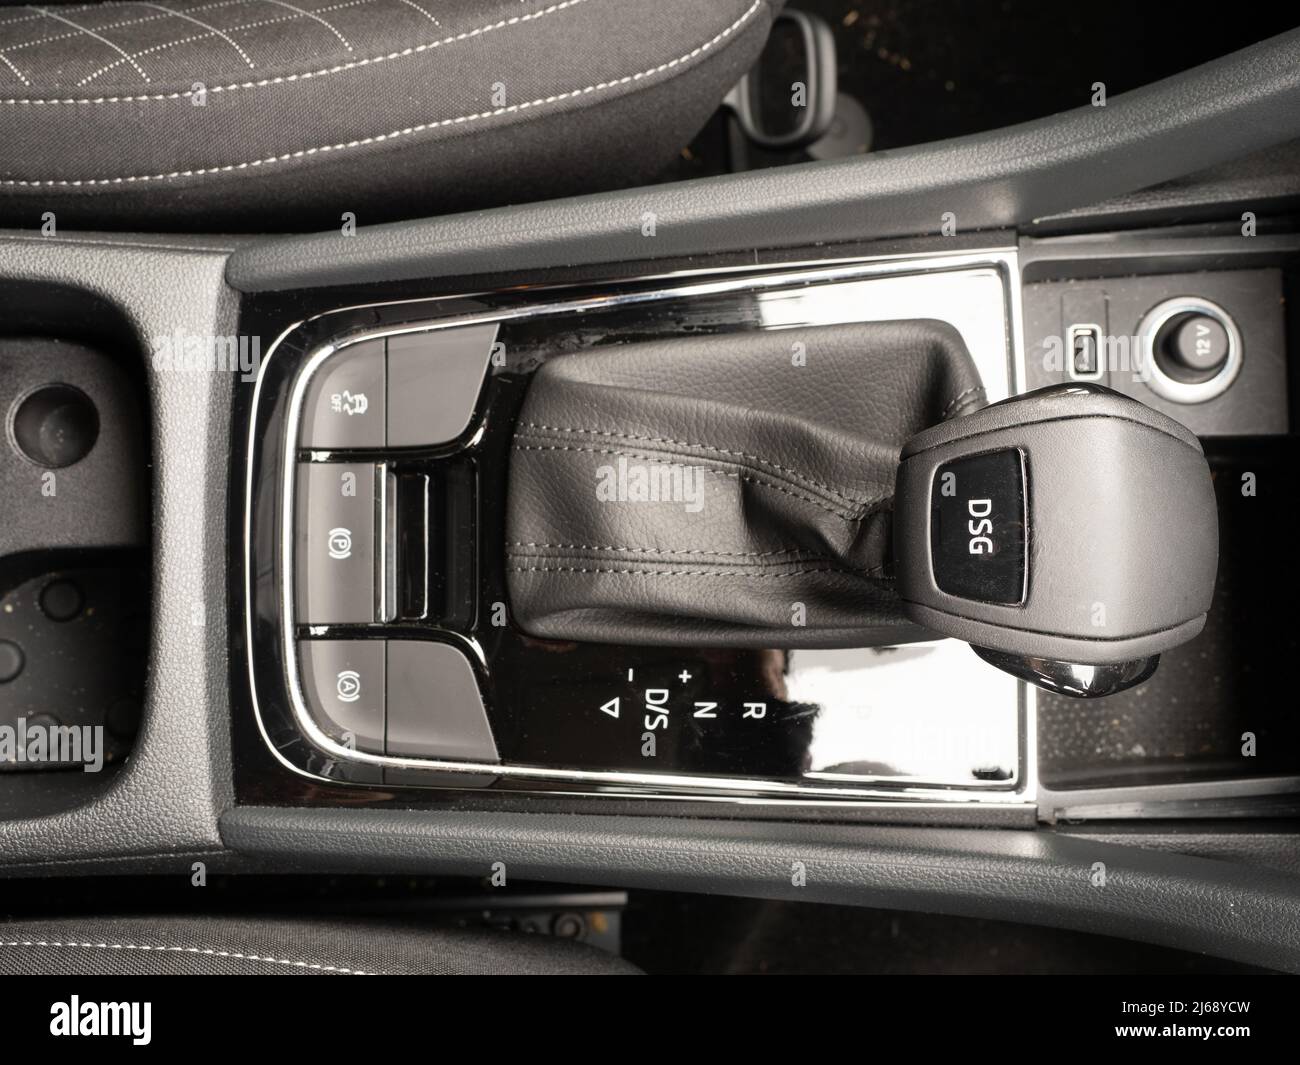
x: 1070, y: 535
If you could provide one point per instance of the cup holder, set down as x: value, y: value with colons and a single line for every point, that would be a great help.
x: 74, y: 563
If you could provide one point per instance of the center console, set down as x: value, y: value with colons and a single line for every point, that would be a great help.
x: 383, y: 647
x: 382, y: 652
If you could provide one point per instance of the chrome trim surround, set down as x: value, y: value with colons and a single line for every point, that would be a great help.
x: 1184, y: 799
x: 1072, y: 678
x: 1187, y: 391
x: 383, y: 599
x: 1001, y: 365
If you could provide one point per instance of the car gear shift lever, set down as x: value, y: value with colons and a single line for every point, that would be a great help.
x: 1070, y: 535
x: 746, y: 490
x: 727, y: 490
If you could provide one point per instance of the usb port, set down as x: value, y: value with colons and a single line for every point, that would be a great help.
x: 1083, y: 342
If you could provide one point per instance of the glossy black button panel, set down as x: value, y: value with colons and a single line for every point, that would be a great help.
x: 977, y: 527
x: 343, y: 684
x: 352, y: 564
x: 335, y: 557
x: 404, y: 698
x: 346, y: 398
x: 391, y: 541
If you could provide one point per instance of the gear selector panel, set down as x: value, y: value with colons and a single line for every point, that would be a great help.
x: 387, y: 646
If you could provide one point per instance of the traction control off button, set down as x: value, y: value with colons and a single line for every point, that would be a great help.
x: 345, y: 401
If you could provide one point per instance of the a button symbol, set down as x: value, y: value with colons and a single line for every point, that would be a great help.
x: 349, y: 403
x: 340, y: 543
x: 348, y: 686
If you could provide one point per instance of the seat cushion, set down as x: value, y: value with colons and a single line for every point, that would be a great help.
x: 233, y: 946
x: 239, y: 114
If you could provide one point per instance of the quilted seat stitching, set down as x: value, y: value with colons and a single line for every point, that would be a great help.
x: 10, y: 48
x: 107, y: 26
x: 395, y: 134
x: 412, y: 3
x: 316, y: 18
x: 91, y: 33
x: 18, y: 73
x: 304, y: 76
x: 186, y: 16
x: 204, y: 36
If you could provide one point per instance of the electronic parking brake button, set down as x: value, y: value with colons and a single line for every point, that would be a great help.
x: 977, y: 527
x: 345, y: 401
x: 343, y: 685
x: 334, y: 543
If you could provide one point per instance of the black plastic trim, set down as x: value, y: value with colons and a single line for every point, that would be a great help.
x: 1226, y: 910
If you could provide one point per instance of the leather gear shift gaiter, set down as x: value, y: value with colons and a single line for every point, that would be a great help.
x: 728, y: 490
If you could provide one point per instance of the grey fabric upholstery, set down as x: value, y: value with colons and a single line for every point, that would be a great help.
x: 235, y: 946
x: 227, y: 113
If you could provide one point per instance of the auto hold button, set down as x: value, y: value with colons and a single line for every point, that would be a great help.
x: 345, y: 402
x: 343, y: 685
x: 334, y: 543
